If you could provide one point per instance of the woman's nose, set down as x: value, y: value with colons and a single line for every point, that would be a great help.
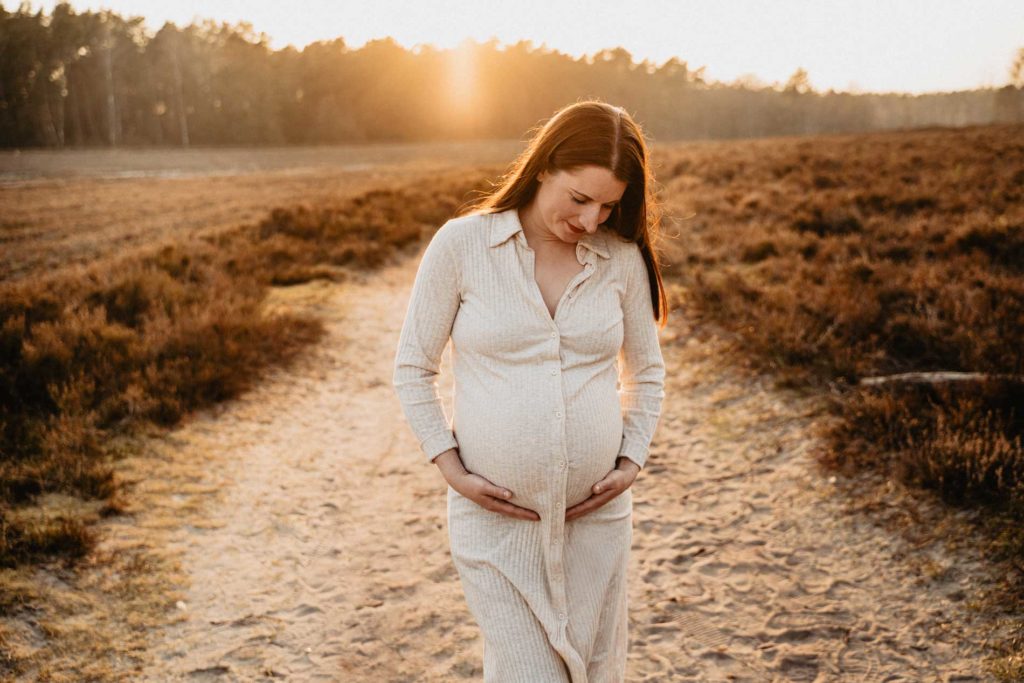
x: 589, y: 218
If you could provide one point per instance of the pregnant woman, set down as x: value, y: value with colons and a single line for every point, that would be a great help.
x: 550, y: 292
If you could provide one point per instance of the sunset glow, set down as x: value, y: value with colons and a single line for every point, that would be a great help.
x: 462, y: 80
x: 870, y: 45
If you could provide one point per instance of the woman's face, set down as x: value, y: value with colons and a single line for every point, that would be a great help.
x: 570, y: 204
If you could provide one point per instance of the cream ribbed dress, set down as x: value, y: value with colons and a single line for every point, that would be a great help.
x: 536, y: 409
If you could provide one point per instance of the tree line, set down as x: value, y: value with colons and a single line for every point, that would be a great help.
x: 87, y: 79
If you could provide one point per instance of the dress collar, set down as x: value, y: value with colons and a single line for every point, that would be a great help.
x: 506, y: 224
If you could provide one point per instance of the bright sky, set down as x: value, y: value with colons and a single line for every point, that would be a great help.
x: 863, y: 45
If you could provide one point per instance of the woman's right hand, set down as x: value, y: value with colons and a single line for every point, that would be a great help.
x: 482, y: 492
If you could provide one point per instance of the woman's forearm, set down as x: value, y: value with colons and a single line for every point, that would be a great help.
x: 450, y: 464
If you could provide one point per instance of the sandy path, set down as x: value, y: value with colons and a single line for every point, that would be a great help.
x: 319, y: 549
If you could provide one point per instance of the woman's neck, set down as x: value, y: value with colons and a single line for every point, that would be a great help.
x: 538, y: 237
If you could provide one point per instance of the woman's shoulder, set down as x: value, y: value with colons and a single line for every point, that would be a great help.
x: 462, y: 232
x: 625, y: 253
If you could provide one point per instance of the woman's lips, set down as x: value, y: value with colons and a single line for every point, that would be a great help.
x: 572, y: 227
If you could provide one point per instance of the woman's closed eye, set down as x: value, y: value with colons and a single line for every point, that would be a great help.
x: 584, y: 201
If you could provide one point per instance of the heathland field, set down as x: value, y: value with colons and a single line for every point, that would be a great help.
x: 837, y: 487
x: 59, y: 208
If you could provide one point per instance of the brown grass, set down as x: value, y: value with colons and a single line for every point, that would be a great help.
x: 145, y: 339
x: 847, y: 257
x: 98, y: 356
x: 78, y: 206
x: 839, y: 258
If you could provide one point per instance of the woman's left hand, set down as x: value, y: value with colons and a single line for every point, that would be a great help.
x: 614, y: 483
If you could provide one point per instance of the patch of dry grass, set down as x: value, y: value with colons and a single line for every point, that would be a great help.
x: 836, y: 259
x: 145, y: 339
x: 77, y: 206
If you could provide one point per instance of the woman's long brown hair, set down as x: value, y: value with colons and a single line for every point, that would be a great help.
x: 591, y: 133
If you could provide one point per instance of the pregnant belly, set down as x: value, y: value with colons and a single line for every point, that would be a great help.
x: 541, y: 458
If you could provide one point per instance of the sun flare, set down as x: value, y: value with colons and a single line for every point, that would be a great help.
x: 463, y: 83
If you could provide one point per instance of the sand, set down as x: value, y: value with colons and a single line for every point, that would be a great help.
x: 310, y: 533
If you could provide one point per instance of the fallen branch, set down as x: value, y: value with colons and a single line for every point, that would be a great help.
x: 937, y: 377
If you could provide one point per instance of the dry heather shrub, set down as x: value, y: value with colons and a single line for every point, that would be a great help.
x: 850, y: 256
x: 1000, y: 243
x: 833, y: 259
x: 967, y: 456
x: 962, y: 439
x: 130, y: 344
x: 363, y: 232
x: 148, y: 339
x: 38, y: 539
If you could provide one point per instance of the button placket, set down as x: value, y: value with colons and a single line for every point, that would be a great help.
x: 556, y: 546
x: 574, y: 284
x: 556, y: 540
x: 582, y: 276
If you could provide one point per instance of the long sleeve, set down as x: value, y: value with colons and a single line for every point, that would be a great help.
x: 428, y: 323
x: 641, y: 366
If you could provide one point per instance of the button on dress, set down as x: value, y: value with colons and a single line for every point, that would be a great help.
x: 542, y: 406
